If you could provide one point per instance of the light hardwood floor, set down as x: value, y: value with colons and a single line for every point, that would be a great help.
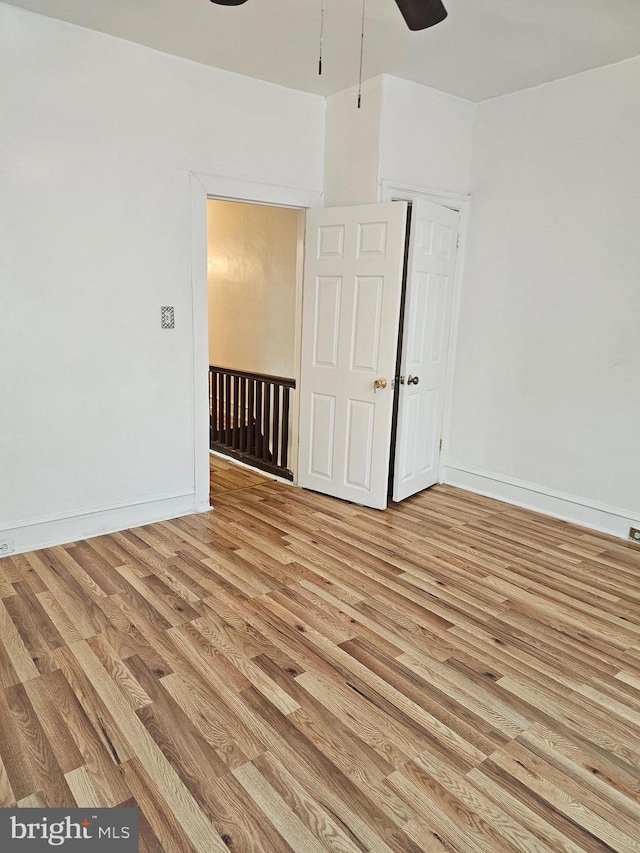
x: 294, y: 673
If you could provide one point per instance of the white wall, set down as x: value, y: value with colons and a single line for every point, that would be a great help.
x: 425, y: 137
x: 404, y: 134
x: 97, y: 142
x: 352, y: 146
x: 546, y: 409
x: 252, y: 277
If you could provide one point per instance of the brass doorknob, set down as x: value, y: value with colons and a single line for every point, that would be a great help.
x: 380, y: 383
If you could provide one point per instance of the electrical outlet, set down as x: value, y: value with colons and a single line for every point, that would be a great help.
x: 634, y: 533
x: 6, y: 547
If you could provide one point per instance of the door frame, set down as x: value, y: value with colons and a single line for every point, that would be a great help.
x: 390, y: 191
x: 225, y: 188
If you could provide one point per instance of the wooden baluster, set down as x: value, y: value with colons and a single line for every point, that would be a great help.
x: 276, y: 423
x: 227, y: 407
x: 284, y: 451
x: 236, y: 413
x: 267, y: 422
x: 212, y: 407
x: 221, y: 408
x: 242, y: 413
x: 220, y: 424
x: 220, y: 393
x: 251, y: 438
x: 259, y: 412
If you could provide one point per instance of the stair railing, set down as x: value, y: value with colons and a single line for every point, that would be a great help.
x: 250, y: 418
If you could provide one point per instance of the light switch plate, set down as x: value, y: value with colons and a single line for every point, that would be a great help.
x: 168, y: 317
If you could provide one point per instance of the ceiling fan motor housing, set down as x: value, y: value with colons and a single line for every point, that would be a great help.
x: 421, y: 14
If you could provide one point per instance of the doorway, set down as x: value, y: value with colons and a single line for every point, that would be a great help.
x: 253, y: 282
x: 235, y: 189
x: 203, y: 187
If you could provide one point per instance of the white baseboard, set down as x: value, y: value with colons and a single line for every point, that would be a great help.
x: 595, y: 516
x: 32, y: 535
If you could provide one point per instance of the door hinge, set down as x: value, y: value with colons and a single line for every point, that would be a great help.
x: 440, y: 445
x: 458, y: 242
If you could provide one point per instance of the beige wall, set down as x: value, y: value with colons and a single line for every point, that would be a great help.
x: 252, y: 260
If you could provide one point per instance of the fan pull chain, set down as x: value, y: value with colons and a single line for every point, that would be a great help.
x: 321, y: 36
x: 361, y: 55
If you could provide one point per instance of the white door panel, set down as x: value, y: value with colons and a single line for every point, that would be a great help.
x: 351, y: 304
x: 427, y: 317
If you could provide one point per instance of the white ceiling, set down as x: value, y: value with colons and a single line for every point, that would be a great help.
x: 483, y: 49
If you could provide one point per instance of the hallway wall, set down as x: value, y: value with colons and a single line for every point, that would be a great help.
x: 252, y: 280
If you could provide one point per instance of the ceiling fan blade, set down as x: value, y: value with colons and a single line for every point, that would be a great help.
x: 229, y: 2
x: 420, y: 14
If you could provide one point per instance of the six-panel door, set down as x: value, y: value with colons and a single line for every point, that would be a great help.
x: 423, y: 364
x: 351, y: 302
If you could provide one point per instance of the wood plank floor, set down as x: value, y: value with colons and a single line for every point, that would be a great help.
x: 293, y: 673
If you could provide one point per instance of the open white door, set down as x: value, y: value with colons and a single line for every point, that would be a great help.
x: 423, y: 364
x: 350, y: 319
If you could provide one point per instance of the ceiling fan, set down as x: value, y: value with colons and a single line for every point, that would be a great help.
x: 419, y: 14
